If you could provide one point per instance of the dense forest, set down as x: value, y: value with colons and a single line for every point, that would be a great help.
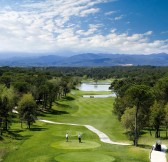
x: 141, y: 102
x: 29, y: 91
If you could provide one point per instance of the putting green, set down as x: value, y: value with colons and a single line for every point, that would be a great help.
x: 74, y: 144
x: 84, y: 157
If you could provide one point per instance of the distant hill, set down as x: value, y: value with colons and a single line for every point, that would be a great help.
x: 89, y: 59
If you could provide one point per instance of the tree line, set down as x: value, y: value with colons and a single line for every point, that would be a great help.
x: 107, y: 72
x: 142, y: 102
x: 26, y: 91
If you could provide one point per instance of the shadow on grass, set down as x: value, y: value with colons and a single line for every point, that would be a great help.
x: 142, y: 133
x: 1, y: 138
x: 38, y: 129
x: 40, y: 113
x: 15, y: 135
x: 62, y: 105
x: 163, y: 138
x: 57, y: 112
x: 144, y: 146
x: 81, y: 142
x: 69, y: 98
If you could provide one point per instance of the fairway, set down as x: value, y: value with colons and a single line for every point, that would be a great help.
x: 47, y: 143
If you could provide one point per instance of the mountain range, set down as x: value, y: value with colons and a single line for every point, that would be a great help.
x: 89, y: 59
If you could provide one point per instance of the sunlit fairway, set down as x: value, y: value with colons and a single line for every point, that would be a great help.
x: 46, y: 142
x: 93, y: 111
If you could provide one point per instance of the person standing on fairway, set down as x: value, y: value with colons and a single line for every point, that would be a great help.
x: 66, y: 137
x: 79, y: 138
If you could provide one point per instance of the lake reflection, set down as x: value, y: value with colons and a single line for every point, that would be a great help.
x: 94, y: 87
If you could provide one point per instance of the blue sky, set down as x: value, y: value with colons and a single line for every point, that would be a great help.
x: 81, y: 26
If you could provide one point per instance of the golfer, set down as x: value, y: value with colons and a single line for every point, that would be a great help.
x: 66, y: 137
x: 79, y: 138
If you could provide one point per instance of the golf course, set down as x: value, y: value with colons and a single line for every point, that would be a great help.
x: 46, y: 142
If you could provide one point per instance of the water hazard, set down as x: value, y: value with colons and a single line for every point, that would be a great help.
x: 92, y: 86
x: 87, y: 86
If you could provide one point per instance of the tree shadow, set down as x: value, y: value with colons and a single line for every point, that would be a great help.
x: 62, y: 105
x: 40, y: 113
x: 163, y: 138
x: 14, y: 134
x: 145, y: 146
x: 57, y: 112
x: 142, y: 133
x: 69, y: 98
x: 38, y: 129
x: 1, y: 139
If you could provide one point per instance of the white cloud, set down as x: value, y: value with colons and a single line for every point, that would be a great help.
x: 46, y: 26
x: 110, y: 13
x: 119, y: 17
x: 93, y: 28
x: 113, y: 30
x: 148, y: 33
x: 40, y: 23
x: 89, y: 11
x: 123, y: 43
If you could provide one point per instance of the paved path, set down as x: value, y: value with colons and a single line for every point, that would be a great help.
x: 103, y: 137
x: 158, y: 156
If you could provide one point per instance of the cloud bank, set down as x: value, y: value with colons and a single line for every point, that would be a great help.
x: 62, y: 25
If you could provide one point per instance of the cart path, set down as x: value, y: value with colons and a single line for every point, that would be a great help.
x: 158, y: 156
x: 102, y: 136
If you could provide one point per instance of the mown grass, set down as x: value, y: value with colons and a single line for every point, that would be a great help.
x: 94, y: 111
x: 46, y: 142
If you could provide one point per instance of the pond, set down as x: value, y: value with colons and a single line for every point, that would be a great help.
x: 88, y: 86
